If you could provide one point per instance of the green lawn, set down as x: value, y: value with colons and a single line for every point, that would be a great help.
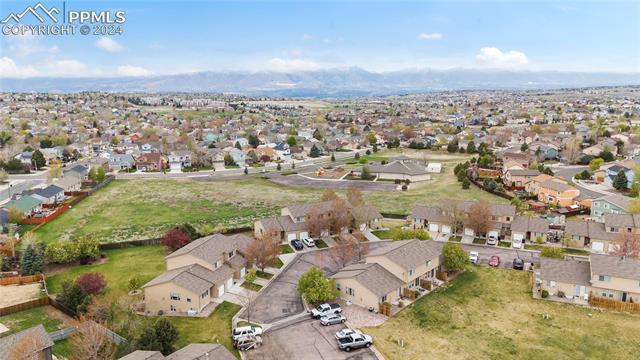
x: 29, y: 318
x: 145, y: 262
x: 566, y: 251
x: 215, y: 328
x: 286, y: 249
x: 251, y: 286
x: 490, y: 314
x: 264, y: 275
x: 320, y: 244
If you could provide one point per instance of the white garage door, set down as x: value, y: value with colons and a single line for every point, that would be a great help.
x: 468, y: 232
x: 493, y: 234
x: 220, y: 290
x: 597, y: 246
x: 291, y: 237
x: 229, y: 283
x: 433, y: 227
x: 446, y: 229
x: 518, y: 237
x: 304, y: 235
x: 243, y: 271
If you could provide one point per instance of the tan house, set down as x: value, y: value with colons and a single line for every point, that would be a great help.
x: 557, y: 193
x: 197, y: 274
x: 527, y: 228
x: 368, y: 285
x: 533, y: 185
x: 569, y: 277
x: 517, y: 178
x: 189, y: 352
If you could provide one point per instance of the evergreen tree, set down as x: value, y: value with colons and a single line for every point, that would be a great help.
x: 333, y: 157
x: 100, y: 175
x: 32, y: 261
x: 38, y: 160
x: 160, y: 336
x: 471, y: 147
x: 291, y: 141
x: 279, y: 167
x: 314, y: 152
x: 238, y: 145
x: 620, y: 181
x: 317, y: 134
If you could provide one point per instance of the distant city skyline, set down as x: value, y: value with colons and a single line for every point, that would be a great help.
x: 163, y: 38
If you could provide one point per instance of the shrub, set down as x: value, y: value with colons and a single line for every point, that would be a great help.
x: 314, y: 286
x: 73, y: 297
x: 552, y: 252
x: 61, y: 252
x: 545, y: 294
x: 466, y: 184
x: 134, y: 283
x: 175, y: 239
x: 560, y: 294
x: 455, y: 258
x: 422, y: 235
x: 159, y: 336
x: 92, y: 283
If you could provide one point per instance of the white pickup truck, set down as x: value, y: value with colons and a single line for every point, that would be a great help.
x: 325, y: 309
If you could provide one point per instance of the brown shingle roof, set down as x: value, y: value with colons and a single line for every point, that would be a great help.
x: 199, y: 351
x: 195, y: 278
x: 616, y: 266
x: 43, y: 341
x: 409, y: 253
x: 143, y: 355
x: 528, y: 223
x: 210, y: 248
x: 372, y: 276
x: 566, y: 271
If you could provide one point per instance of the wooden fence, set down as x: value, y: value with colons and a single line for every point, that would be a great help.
x: 26, y: 279
x: 45, y: 219
x: 409, y: 294
x: 24, y: 306
x: 613, y: 304
x: 426, y: 284
x: 384, y: 309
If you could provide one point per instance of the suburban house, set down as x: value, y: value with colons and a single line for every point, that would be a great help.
x: 533, y: 185
x: 49, y: 195
x: 440, y: 219
x: 150, y: 162
x: 557, y: 193
x: 402, y: 169
x: 197, y: 274
x: 41, y: 344
x: 388, y: 270
x: 610, y: 204
x: 517, y: 178
x: 69, y: 184
x: 28, y: 205
x: 189, y: 352
x: 121, y: 161
x: 612, y: 277
x: 528, y: 228
x: 291, y: 222
x: 78, y: 171
x: 179, y: 159
x: 602, y: 237
x: 608, y: 173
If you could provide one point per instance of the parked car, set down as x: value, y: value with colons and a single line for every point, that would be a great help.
x: 494, y: 261
x: 332, y: 319
x: 247, y: 342
x: 355, y: 341
x: 492, y: 239
x: 297, y: 244
x: 243, y: 331
x: 309, y: 242
x: 517, y: 242
x: 518, y: 264
x: 325, y: 309
x: 473, y: 257
x: 346, y: 332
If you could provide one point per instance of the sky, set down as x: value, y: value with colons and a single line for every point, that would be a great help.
x: 173, y: 37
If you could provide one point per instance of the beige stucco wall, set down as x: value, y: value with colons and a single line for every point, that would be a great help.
x: 568, y: 289
x: 187, y: 259
x: 617, y: 285
x: 361, y: 295
x: 158, y: 297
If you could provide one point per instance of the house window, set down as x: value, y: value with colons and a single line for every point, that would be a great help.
x: 383, y: 299
x: 231, y: 253
x: 173, y: 308
x: 188, y: 299
x: 204, y: 294
x: 410, y: 272
x: 175, y: 296
x: 604, y: 278
x: 428, y: 263
x: 551, y: 283
x: 338, y: 286
x: 350, y: 291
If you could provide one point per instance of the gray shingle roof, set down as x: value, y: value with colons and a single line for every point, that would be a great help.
x: 143, y: 355
x: 400, y: 167
x: 555, y: 185
x: 43, y: 341
x: 210, y: 248
x: 523, y: 172
x: 616, y: 199
x: 372, y: 276
x: 195, y: 278
x: 528, y: 223
x: 566, y: 271
x: 616, y: 266
x: 409, y: 253
x: 199, y: 351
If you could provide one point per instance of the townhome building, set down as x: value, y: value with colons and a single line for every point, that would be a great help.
x: 610, y: 204
x: 197, y: 275
x: 558, y: 193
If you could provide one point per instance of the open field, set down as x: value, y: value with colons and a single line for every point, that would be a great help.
x: 140, y: 209
x: 490, y: 314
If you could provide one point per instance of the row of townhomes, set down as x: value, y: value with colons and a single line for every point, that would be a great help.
x: 197, y: 275
x: 611, y: 277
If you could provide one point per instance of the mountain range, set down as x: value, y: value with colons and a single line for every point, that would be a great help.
x: 327, y: 83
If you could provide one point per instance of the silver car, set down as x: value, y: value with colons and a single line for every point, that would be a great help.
x: 332, y: 319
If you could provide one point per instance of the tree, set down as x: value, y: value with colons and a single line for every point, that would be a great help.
x: 354, y: 196
x: 620, y: 181
x: 314, y: 286
x: 316, y: 222
x: 471, y: 147
x: 264, y: 249
x: 314, y: 152
x: 93, y: 174
x: 189, y: 230
x: 329, y: 195
x: 26, y: 348
x: 634, y: 206
x: 489, y: 184
x: 479, y: 217
x: 572, y: 151
x: 55, y: 170
x: 14, y: 216
x: 371, y: 138
x: 278, y: 167
x: 366, y: 173
x: 340, y: 216
x: 254, y: 141
x: 466, y: 183
x: 524, y: 147
x: 174, y: 239
x: 159, y: 336
x: 238, y: 146
x: 37, y: 160
x: 291, y: 141
x: 91, y: 341
x: 100, y: 175
x: 73, y: 297
x: 455, y: 215
x: 87, y: 248
x: 552, y: 252
x: 606, y: 155
x: 228, y: 161
x: 246, y: 170
x: 3, y: 176
x: 595, y: 164
x: 455, y: 258
x: 317, y: 134
x: 32, y: 261
x: 635, y: 186
x: 92, y: 283
x: 627, y: 245
x: 333, y: 157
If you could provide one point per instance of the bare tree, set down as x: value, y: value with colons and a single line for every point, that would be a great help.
x: 329, y: 195
x: 27, y: 348
x: 342, y: 255
x: 455, y: 215
x: 91, y: 341
x: 628, y: 245
x: 354, y: 196
x: 479, y: 217
x: 340, y: 216
x: 572, y: 150
x: 248, y: 303
x: 262, y: 250
x: 317, y: 221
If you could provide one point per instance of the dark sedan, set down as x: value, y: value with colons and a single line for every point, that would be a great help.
x: 297, y: 244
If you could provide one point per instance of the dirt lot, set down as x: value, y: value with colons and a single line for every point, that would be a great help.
x: 15, y: 294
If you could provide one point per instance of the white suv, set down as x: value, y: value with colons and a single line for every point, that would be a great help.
x: 473, y: 257
x: 309, y: 242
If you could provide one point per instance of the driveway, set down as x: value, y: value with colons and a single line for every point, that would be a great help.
x: 506, y: 254
x: 306, y: 340
x: 280, y: 298
x: 296, y: 180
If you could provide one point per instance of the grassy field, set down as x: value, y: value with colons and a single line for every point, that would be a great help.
x: 490, y: 314
x: 29, y: 318
x: 145, y: 262
x: 140, y: 209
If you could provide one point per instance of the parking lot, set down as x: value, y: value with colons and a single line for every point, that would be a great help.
x: 306, y: 340
x: 506, y: 254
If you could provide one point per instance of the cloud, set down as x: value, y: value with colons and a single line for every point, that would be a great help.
x: 131, y: 70
x: 66, y: 68
x: 494, y: 57
x: 307, y: 36
x: 278, y: 64
x: 432, y: 36
x: 108, y: 44
x: 9, y: 69
x: 25, y: 45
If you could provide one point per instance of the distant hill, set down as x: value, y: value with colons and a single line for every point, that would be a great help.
x: 327, y: 83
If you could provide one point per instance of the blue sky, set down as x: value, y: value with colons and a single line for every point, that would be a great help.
x: 182, y: 36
